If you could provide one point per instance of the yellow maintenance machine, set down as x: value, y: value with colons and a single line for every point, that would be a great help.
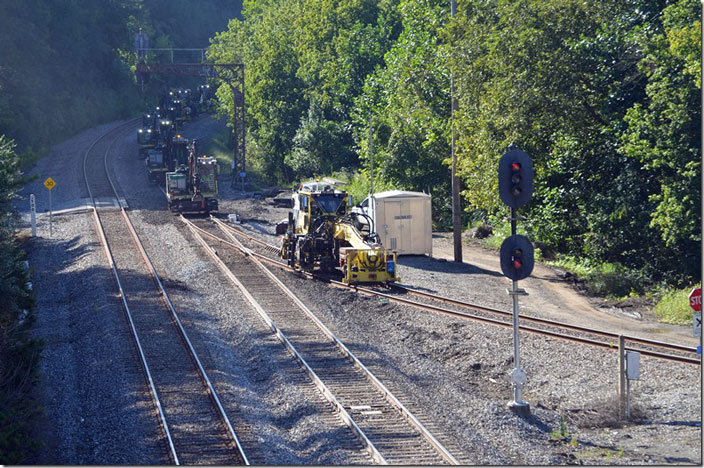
x: 323, y: 234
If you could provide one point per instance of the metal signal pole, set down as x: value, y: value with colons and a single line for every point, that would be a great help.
x: 456, y: 218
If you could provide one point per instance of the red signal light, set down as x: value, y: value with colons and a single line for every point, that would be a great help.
x: 515, y: 167
x: 517, y: 262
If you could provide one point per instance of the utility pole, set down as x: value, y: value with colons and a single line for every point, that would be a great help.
x: 456, y: 218
x: 371, y: 158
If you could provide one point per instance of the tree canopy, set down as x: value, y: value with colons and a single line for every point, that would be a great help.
x: 67, y: 64
x: 603, y: 95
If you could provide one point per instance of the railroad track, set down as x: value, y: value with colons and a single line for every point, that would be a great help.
x: 468, y: 311
x: 196, y: 428
x: 388, y: 430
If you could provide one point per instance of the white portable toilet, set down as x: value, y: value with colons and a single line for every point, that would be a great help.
x: 402, y: 220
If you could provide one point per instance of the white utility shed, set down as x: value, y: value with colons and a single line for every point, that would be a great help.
x: 403, y: 221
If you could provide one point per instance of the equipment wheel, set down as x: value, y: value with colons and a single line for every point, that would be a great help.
x: 291, y: 253
x: 300, y: 254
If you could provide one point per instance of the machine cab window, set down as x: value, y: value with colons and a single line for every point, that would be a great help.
x: 331, y: 204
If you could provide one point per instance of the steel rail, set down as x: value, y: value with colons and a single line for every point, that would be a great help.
x: 346, y: 351
x: 465, y: 315
x: 95, y: 142
x: 133, y: 329
x: 162, y: 291
x: 194, y: 355
x: 344, y: 414
x: 528, y: 328
x: 605, y: 333
x: 182, y: 330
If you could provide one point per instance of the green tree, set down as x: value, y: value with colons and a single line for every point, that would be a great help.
x: 557, y: 78
x: 664, y: 134
x: 409, y: 102
x: 273, y: 92
x: 18, y: 353
x: 306, y: 62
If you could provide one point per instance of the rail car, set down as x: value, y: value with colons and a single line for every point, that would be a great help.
x: 166, y: 129
x: 168, y: 156
x: 193, y: 187
x: 205, y: 98
x: 156, y: 166
x: 147, y: 139
x: 323, y: 234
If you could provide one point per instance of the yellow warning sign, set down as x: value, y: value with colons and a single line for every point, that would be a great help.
x: 49, y: 183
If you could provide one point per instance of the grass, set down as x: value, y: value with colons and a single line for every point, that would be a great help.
x: 220, y: 148
x: 562, y: 434
x: 29, y: 156
x: 612, y: 281
x: 503, y: 231
x: 606, y: 453
x: 673, y: 307
x: 609, y: 280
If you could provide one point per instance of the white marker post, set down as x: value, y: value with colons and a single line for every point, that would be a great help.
x: 49, y: 183
x: 33, y: 211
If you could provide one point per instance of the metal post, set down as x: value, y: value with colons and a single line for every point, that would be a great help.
x: 172, y: 55
x: 621, y: 377
x: 516, y: 352
x: 235, y: 154
x: 518, y: 377
x: 456, y: 215
x: 628, y: 399
x: 51, y: 231
x: 371, y: 157
x: 33, y: 210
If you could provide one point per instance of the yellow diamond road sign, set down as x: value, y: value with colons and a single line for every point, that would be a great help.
x: 49, y: 182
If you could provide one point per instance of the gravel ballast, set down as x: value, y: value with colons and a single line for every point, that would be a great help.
x: 454, y: 373
x: 91, y: 383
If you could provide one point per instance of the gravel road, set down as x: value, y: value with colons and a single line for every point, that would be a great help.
x: 455, y: 373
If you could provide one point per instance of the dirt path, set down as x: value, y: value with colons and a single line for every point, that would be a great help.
x: 552, y: 296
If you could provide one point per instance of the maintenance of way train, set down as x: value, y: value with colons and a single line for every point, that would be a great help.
x: 323, y: 233
x: 173, y: 161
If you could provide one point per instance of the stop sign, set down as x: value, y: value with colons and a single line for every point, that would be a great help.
x: 695, y: 299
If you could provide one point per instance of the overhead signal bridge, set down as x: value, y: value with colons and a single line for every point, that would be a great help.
x: 230, y: 73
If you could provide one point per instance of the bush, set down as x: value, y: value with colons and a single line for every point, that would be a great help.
x: 673, y: 307
x: 603, y: 279
x: 18, y: 351
x: 613, y: 279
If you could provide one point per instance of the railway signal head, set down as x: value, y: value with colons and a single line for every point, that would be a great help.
x: 516, y: 257
x: 515, y: 178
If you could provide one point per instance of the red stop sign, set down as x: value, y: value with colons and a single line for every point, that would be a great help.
x: 695, y: 299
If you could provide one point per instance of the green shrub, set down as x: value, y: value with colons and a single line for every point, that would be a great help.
x: 358, y: 185
x: 501, y: 231
x: 673, y: 307
x: 613, y: 279
x: 603, y: 279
